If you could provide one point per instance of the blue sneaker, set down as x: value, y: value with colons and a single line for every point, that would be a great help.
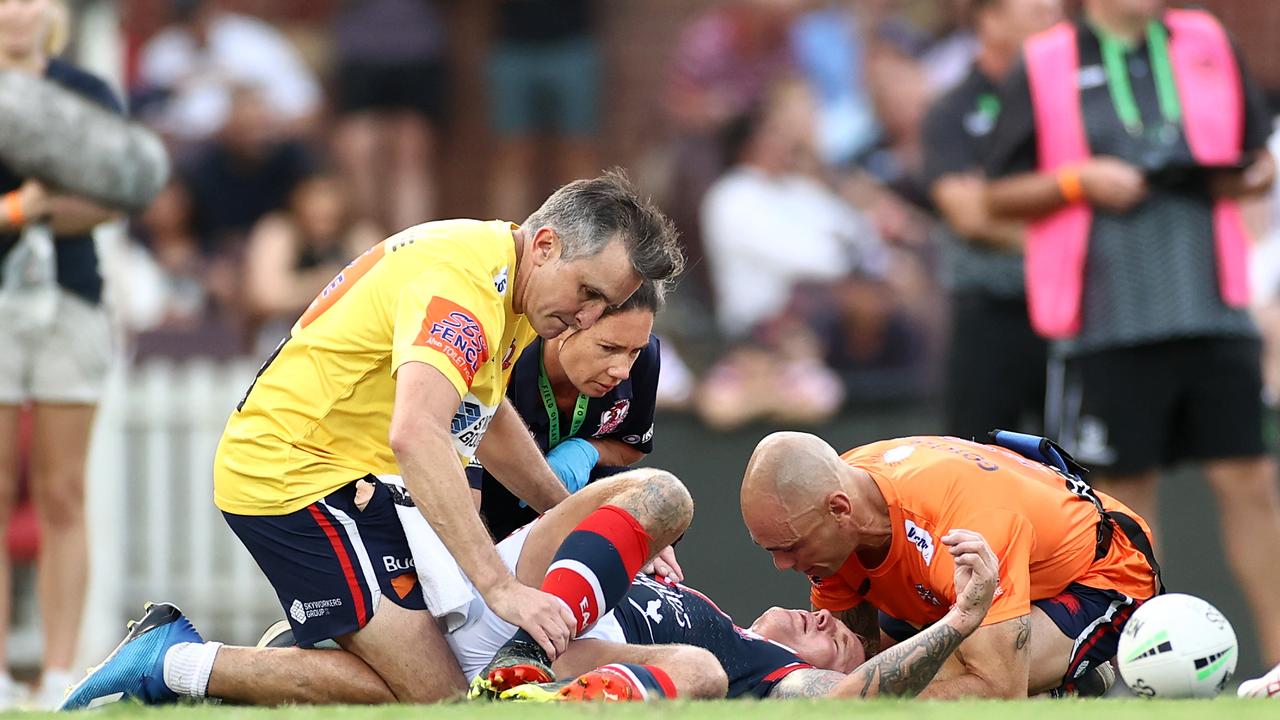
x: 135, y: 669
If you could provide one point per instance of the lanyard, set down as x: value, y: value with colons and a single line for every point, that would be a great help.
x: 553, y: 412
x: 1113, y: 60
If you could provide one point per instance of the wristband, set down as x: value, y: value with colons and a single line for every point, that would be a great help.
x: 1070, y: 186
x: 13, y: 209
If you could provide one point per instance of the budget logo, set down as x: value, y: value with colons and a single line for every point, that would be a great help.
x: 453, y: 331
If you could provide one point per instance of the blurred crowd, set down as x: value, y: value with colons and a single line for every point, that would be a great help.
x: 786, y: 143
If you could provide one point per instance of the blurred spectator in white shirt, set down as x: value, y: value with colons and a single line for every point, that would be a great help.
x: 768, y: 224
x: 187, y: 71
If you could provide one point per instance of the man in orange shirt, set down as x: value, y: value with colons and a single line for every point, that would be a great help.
x: 866, y: 527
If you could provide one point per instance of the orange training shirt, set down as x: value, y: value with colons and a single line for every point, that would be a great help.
x: 1042, y: 533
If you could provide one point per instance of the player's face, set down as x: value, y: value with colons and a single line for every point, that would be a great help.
x: 23, y: 25
x: 563, y: 295
x: 816, y: 637
x: 599, y: 358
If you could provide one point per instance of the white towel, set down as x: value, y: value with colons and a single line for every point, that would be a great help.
x: 446, y: 588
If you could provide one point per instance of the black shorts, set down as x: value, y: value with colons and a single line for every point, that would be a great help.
x: 332, y: 562
x: 1130, y: 410
x: 1093, y: 618
x: 421, y: 87
x: 995, y: 367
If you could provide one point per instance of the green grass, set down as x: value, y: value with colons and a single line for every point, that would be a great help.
x: 729, y: 710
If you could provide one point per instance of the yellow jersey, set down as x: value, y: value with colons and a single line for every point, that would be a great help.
x: 318, y: 416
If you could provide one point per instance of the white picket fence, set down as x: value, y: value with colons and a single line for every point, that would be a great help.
x: 154, y: 531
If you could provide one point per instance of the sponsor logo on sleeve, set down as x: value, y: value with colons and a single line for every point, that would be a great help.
x: 922, y: 540
x: 639, y: 439
x: 469, y: 424
x: 456, y: 333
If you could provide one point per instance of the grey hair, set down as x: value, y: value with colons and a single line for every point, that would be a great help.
x: 589, y: 214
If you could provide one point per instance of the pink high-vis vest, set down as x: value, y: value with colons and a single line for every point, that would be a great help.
x: 1209, y: 86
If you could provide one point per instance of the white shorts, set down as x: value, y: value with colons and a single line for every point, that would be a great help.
x: 478, y: 640
x: 64, y: 362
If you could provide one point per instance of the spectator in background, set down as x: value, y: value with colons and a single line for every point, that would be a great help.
x: 1136, y: 257
x: 165, y: 229
x: 830, y: 50
x: 56, y: 342
x: 722, y: 66
x: 544, y: 78
x: 391, y: 100
x: 293, y: 253
x: 996, y: 364
x: 242, y: 174
x: 188, y: 73
x: 953, y: 47
x: 787, y: 258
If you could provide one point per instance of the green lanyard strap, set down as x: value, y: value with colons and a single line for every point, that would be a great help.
x: 553, y: 411
x: 1113, y: 60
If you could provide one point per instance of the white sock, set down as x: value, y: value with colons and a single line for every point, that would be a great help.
x: 187, y: 667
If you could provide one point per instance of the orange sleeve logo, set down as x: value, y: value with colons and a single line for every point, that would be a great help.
x: 455, y: 332
x: 339, y: 286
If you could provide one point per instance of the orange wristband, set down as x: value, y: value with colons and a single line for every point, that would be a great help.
x: 1070, y: 186
x: 13, y: 209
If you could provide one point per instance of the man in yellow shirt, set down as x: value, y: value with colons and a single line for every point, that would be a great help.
x: 398, y: 368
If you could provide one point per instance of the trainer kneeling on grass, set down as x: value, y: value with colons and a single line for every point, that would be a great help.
x: 384, y: 389
x: 866, y: 528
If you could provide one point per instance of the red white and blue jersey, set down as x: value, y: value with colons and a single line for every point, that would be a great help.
x: 659, y: 613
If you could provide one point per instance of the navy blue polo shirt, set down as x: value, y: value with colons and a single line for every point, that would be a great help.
x: 76, y: 256
x: 625, y: 414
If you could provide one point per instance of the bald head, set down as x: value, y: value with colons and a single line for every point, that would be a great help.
x: 794, y: 487
x: 797, y: 469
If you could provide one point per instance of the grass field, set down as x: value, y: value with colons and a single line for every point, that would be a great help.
x: 727, y: 710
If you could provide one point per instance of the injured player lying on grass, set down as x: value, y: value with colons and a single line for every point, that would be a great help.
x: 667, y: 640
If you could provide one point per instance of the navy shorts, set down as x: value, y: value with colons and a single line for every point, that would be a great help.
x: 331, y: 562
x: 1093, y: 617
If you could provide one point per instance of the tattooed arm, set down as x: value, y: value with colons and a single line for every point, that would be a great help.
x: 907, y: 668
x: 864, y: 620
x: 807, y: 683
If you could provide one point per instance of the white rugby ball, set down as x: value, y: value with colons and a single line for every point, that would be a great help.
x: 1177, y: 646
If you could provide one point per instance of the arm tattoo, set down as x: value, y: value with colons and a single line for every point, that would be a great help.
x: 906, y: 668
x: 808, y: 683
x: 1024, y: 633
x: 864, y: 620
